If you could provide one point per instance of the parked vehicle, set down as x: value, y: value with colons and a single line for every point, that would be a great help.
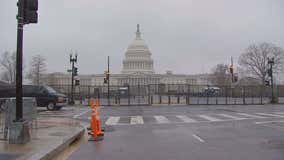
x: 45, y: 96
x: 211, y: 91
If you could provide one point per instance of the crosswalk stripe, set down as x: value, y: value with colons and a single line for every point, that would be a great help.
x: 272, y: 115
x: 209, y: 118
x: 112, y: 120
x: 278, y: 112
x: 136, y: 120
x: 230, y: 116
x: 250, y: 115
x: 80, y: 114
x: 161, y: 119
x: 185, y: 119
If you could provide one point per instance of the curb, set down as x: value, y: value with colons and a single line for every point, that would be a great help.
x: 50, y: 152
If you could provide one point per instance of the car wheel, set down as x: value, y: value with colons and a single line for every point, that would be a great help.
x: 50, y: 106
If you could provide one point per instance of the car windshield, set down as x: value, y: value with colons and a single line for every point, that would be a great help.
x: 50, y: 90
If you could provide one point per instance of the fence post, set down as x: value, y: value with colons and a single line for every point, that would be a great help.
x: 128, y: 88
x: 207, y: 94
x: 187, y: 95
x: 149, y: 96
x: 261, y: 96
x: 244, y: 95
x: 118, y: 96
x: 139, y: 95
x: 226, y: 94
x: 235, y: 102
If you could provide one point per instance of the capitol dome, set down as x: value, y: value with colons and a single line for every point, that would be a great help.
x: 138, y: 57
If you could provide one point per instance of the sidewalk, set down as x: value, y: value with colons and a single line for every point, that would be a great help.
x: 50, y: 137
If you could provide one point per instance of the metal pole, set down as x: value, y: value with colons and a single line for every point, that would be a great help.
x: 272, y: 85
x: 72, y: 82
x: 108, y: 97
x: 19, y: 61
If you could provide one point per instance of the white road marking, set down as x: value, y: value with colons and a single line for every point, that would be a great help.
x: 198, y: 138
x: 250, y: 115
x: 232, y: 117
x: 80, y: 114
x: 278, y: 112
x: 209, y: 118
x: 136, y: 120
x: 272, y: 115
x: 265, y: 122
x: 112, y: 120
x: 161, y: 119
x: 185, y: 119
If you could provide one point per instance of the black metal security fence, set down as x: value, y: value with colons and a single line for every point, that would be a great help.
x: 174, y: 94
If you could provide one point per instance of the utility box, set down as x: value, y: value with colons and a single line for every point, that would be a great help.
x: 20, y: 132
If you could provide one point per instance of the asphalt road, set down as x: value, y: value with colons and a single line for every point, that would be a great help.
x: 187, y: 133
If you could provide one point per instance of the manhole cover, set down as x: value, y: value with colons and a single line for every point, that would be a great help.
x: 57, y: 134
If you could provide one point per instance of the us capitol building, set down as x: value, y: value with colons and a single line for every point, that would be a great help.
x: 138, y: 69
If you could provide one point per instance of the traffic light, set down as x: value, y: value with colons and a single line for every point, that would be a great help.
x: 231, y: 69
x: 236, y: 78
x: 75, y: 73
x: 77, y: 82
x: 267, y: 83
x: 30, y: 11
x: 105, y: 81
x: 107, y: 75
x: 269, y: 72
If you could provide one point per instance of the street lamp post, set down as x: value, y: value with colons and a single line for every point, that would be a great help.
x: 72, y: 61
x: 108, y: 79
x: 19, y: 63
x: 270, y: 74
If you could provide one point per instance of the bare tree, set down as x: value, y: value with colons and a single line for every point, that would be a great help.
x: 8, y: 66
x: 37, y: 69
x: 255, y: 59
x: 220, y: 75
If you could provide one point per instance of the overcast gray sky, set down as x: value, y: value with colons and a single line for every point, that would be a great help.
x: 186, y: 36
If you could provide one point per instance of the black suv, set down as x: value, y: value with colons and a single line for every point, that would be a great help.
x: 45, y: 96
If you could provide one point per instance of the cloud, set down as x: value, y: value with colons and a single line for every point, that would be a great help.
x: 195, y: 33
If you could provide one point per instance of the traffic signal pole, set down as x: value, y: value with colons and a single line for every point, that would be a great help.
x: 232, y: 69
x: 72, y: 84
x: 271, y: 63
x: 72, y: 61
x: 19, y: 62
x: 108, y: 96
x: 19, y: 129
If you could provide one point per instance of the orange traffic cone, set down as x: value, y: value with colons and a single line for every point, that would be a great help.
x: 96, y: 131
x: 99, y: 131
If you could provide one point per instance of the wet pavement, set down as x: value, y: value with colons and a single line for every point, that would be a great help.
x: 188, y: 132
x: 47, y: 138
